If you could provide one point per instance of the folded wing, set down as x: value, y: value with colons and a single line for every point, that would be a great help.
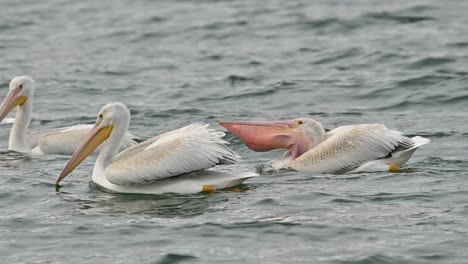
x: 65, y: 140
x: 191, y: 148
x: 347, y: 147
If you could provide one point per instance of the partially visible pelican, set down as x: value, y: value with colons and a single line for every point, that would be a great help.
x: 174, y: 162
x: 54, y: 141
x: 354, y: 148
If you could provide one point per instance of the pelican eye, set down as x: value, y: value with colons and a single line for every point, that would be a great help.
x: 100, y: 115
x: 21, y: 86
x: 300, y: 122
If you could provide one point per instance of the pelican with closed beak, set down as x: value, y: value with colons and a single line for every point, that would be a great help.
x: 62, y: 141
x: 177, y: 161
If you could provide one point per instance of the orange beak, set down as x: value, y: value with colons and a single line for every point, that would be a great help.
x: 11, y: 101
x: 95, y: 137
x: 269, y: 135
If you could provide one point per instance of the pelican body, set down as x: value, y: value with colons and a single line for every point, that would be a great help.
x: 354, y: 148
x: 62, y: 141
x: 177, y: 161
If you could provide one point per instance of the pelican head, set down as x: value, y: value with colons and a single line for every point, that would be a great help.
x: 21, y: 90
x: 112, y: 121
x: 310, y: 128
x: 296, y: 135
x: 113, y: 114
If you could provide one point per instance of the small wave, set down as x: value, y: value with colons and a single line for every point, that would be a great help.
x: 395, y: 17
x: 255, y: 63
x: 118, y: 33
x: 172, y: 258
x: 10, y: 158
x: 268, y: 201
x: 458, y: 44
x: 400, y: 197
x: 384, y: 56
x: 420, y: 8
x: 452, y: 73
x: 425, y: 101
x: 345, y: 201
x: 236, y: 79
x: 174, y: 112
x: 438, y: 134
x: 213, y: 57
x: 250, y: 93
x: 364, y: 20
x: 114, y: 72
x: 439, y: 160
x: 308, y: 49
x: 320, y: 23
x: 335, y: 56
x: 284, y: 84
x: 154, y: 19
x: 399, y: 105
x: 250, y: 224
x: 150, y: 35
x: 456, y: 99
x: 350, y: 113
x: 378, y: 258
x: 431, y: 61
x: 423, y: 80
x: 15, y: 25
x: 320, y: 114
x: 220, y: 25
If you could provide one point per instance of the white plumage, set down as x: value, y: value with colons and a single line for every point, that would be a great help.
x: 176, y: 161
x: 65, y: 140
x: 62, y: 141
x: 364, y: 147
x: 349, y: 147
x: 191, y: 148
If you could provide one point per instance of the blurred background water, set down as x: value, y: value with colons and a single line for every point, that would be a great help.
x: 402, y: 63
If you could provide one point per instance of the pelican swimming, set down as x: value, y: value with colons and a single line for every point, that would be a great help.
x: 54, y: 141
x: 354, y: 148
x: 176, y: 161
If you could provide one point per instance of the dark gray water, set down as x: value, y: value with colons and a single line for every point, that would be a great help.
x: 402, y: 63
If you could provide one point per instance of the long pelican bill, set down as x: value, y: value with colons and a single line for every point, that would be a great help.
x: 269, y: 135
x: 11, y: 101
x: 96, y: 136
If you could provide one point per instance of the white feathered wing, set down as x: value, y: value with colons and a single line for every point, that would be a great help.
x: 191, y: 148
x: 348, y: 147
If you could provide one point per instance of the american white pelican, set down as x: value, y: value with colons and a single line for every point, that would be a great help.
x: 54, y: 141
x: 355, y: 148
x: 175, y: 161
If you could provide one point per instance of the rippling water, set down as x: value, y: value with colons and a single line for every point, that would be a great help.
x: 403, y: 63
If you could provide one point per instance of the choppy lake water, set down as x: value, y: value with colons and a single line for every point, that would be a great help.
x: 402, y: 63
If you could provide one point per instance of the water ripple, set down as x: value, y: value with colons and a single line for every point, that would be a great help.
x: 397, y: 17
x: 431, y: 61
x: 172, y: 62
x: 172, y: 258
x: 377, y: 258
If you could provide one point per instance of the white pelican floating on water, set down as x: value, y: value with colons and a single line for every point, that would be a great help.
x: 175, y: 161
x: 355, y: 148
x: 54, y: 141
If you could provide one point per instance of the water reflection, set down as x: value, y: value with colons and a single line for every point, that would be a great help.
x: 99, y: 201
x: 13, y: 159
